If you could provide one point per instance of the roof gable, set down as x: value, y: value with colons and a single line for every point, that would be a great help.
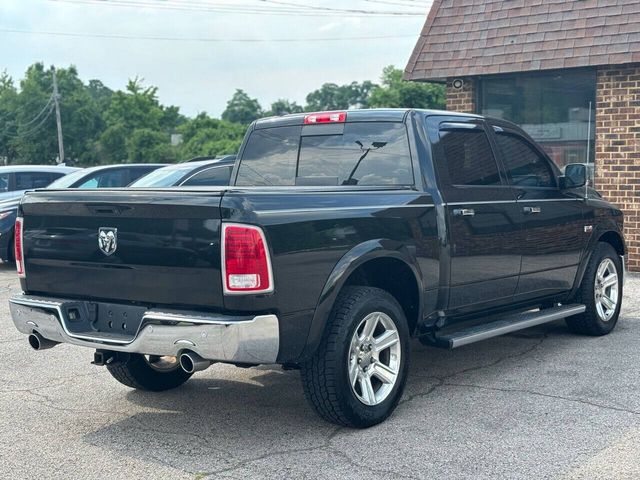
x: 480, y: 37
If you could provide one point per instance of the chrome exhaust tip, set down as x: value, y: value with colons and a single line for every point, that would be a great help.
x: 191, y: 362
x: 38, y: 342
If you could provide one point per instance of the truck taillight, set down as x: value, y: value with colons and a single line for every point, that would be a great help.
x: 18, y: 245
x: 325, y: 117
x: 246, y: 266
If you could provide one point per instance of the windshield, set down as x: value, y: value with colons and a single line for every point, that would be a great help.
x: 68, y: 180
x: 164, y: 177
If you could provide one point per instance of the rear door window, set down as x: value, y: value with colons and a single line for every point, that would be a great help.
x: 28, y: 180
x: 467, y: 157
x: 367, y: 153
x: 212, y: 177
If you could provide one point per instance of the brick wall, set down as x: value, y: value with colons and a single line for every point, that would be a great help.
x: 618, y: 147
x: 463, y: 99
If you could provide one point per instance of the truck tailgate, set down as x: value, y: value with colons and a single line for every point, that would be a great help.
x: 167, y: 245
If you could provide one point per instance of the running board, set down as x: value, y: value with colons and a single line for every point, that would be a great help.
x: 507, y: 324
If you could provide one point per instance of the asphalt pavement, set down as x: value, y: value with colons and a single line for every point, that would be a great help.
x: 541, y: 403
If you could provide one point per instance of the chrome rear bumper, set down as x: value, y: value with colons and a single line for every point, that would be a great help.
x: 214, y: 337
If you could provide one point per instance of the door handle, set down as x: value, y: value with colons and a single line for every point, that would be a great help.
x: 464, y: 212
x: 532, y: 210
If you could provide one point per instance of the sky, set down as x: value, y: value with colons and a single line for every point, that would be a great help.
x: 201, y: 75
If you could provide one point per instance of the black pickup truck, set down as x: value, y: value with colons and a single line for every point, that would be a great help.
x: 342, y: 235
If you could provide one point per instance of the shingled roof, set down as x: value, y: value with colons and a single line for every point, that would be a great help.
x: 479, y: 37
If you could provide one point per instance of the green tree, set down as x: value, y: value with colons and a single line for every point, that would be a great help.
x: 137, y: 107
x: 398, y: 93
x: 100, y: 93
x: 138, y: 127
x: 8, y: 99
x: 282, y: 107
x: 32, y: 129
x: 145, y: 145
x: 242, y: 108
x: 340, y: 97
x: 208, y: 136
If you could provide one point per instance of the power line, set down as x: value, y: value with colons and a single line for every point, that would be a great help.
x: 409, y: 5
x: 286, y: 8
x: 30, y: 122
x: 33, y: 130
x: 34, y: 119
x: 202, y: 39
x: 340, y: 10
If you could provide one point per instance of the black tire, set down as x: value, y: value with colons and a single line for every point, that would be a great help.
x: 135, y: 372
x: 325, y: 377
x: 590, y: 322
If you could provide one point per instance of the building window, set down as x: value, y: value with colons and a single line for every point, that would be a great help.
x: 557, y: 109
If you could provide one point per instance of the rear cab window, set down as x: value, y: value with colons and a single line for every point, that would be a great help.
x: 356, y: 153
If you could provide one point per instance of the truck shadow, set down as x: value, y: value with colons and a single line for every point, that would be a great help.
x: 226, y: 416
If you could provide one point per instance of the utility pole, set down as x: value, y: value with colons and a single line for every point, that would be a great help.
x: 56, y: 98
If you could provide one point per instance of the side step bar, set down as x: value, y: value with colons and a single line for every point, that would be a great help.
x: 507, y: 324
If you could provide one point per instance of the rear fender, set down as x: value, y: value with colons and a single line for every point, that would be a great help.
x: 349, y: 263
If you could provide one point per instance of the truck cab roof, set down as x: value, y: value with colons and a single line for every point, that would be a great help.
x: 359, y: 115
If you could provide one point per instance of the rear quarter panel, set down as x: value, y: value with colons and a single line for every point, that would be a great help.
x: 310, y: 234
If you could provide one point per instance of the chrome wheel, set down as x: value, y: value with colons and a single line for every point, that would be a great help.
x: 374, y: 358
x: 606, y: 289
x: 164, y: 363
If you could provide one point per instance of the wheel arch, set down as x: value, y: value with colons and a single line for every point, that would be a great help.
x: 615, y: 239
x: 606, y: 234
x: 364, y: 264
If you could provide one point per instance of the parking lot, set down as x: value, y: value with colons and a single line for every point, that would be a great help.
x: 542, y: 403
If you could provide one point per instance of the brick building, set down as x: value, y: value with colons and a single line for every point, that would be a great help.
x: 566, y: 71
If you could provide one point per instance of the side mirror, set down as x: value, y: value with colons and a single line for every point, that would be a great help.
x: 575, y: 175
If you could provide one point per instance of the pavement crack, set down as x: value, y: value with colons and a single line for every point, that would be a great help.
x: 51, y: 403
x: 201, y: 438
x: 442, y: 380
x: 540, y: 394
x: 381, y: 473
x: 326, y: 444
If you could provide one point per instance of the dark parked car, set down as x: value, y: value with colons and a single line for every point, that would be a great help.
x: 199, y: 172
x: 342, y: 235
x: 16, y: 179
x: 95, y: 177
